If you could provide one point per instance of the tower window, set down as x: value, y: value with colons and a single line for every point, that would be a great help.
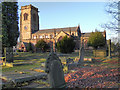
x: 25, y: 16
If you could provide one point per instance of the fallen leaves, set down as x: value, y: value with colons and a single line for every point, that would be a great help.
x: 39, y: 70
x: 97, y: 77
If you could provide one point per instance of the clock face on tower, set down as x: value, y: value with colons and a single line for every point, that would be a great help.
x: 25, y: 27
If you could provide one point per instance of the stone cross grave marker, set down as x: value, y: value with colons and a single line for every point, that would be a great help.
x: 81, y: 57
x: 54, y: 69
x: 8, y: 52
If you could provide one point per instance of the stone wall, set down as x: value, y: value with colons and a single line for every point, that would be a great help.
x: 99, y: 53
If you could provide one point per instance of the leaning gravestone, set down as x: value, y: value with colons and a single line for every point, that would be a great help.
x: 54, y: 69
x: 81, y: 57
x: 8, y: 52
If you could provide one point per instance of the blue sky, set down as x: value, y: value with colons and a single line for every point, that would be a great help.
x: 89, y: 15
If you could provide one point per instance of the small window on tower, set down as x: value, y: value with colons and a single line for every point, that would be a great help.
x: 25, y: 16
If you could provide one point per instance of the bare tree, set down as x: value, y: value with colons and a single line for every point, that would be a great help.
x: 113, y: 9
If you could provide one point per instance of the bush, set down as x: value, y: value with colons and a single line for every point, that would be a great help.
x: 42, y: 45
x: 66, y: 45
x: 96, y: 39
x: 29, y: 48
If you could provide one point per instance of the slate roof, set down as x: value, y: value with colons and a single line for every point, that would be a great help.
x: 85, y: 34
x: 88, y: 34
x: 56, y: 29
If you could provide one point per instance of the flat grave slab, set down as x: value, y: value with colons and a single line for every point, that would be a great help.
x: 17, y: 77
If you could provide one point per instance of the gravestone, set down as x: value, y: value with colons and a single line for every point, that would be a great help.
x: 54, y: 69
x: 8, y: 52
x: 81, y: 56
x: 109, y: 48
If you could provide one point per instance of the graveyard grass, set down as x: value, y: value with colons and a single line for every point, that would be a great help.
x: 37, y: 60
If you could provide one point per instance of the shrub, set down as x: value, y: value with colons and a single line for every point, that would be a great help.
x: 66, y: 45
x: 42, y: 45
x: 29, y: 48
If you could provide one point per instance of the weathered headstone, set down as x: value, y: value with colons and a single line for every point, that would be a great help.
x: 54, y: 69
x: 81, y: 56
x: 109, y: 48
x: 8, y: 52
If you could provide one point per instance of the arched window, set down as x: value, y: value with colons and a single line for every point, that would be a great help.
x: 25, y: 16
x: 73, y: 34
x: 40, y: 36
x: 34, y: 37
x: 46, y: 36
x: 51, y: 36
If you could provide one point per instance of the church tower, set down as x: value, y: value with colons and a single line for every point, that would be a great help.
x: 29, y: 22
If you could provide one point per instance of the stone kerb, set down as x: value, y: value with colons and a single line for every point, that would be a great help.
x: 54, y: 69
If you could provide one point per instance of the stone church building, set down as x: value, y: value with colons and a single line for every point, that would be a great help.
x: 29, y: 30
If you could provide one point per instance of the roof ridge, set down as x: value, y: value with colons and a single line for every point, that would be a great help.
x: 58, y: 28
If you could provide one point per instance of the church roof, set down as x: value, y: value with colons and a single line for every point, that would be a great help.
x: 57, y: 30
x: 85, y: 34
x: 88, y: 34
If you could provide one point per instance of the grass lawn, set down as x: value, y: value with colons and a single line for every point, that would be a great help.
x: 26, y: 57
x: 38, y: 58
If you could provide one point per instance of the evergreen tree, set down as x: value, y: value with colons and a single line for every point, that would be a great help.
x: 29, y: 47
x: 42, y: 45
x: 96, y: 39
x: 66, y: 45
x: 0, y: 23
x: 10, y: 31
